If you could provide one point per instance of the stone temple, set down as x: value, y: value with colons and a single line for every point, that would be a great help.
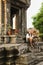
x: 13, y: 48
x: 12, y: 19
x: 12, y: 31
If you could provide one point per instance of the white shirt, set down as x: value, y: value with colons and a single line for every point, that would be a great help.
x: 27, y: 36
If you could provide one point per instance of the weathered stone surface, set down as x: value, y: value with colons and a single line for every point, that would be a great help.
x: 12, y: 7
x: 9, y: 10
x: 25, y: 1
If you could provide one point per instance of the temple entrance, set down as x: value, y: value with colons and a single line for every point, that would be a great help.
x: 14, y: 19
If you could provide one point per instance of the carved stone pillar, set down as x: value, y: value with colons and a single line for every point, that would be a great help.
x: 17, y: 20
x: 0, y: 14
x: 25, y: 24
x: 23, y: 21
x: 7, y: 14
x: 0, y: 17
x: 20, y: 21
x: 6, y: 17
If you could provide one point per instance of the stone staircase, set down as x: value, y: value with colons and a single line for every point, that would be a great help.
x: 31, y: 58
x: 23, y: 58
x: 39, y: 46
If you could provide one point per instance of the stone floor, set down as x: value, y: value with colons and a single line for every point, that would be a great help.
x: 34, y: 57
x: 41, y: 63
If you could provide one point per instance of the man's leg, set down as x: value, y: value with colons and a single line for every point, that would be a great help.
x: 31, y: 43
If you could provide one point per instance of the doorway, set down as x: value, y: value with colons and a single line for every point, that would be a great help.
x: 14, y: 19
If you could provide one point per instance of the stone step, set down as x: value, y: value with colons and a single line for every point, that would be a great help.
x: 19, y: 41
x: 39, y: 54
x: 39, y: 43
x: 24, y: 59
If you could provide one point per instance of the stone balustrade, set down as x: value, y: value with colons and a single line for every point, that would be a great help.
x: 8, y: 38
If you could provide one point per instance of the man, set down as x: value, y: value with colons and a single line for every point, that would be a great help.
x: 27, y: 37
x: 31, y: 40
x: 28, y: 41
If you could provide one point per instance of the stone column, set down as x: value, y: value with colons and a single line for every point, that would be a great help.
x: 7, y: 16
x: 0, y: 14
x: 20, y: 21
x: 5, y: 19
x: 17, y: 20
x: 23, y: 21
x: 0, y: 17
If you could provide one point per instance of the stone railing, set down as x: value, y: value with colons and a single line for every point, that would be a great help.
x: 11, y: 39
x: 7, y: 38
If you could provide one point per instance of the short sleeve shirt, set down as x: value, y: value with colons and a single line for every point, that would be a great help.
x: 27, y: 36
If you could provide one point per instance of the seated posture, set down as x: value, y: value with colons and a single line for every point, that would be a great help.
x: 29, y: 39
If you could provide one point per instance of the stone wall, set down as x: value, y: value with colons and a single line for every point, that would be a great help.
x: 0, y: 14
x: 25, y: 1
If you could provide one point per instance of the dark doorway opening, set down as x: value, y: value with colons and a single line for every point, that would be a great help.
x: 14, y: 18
